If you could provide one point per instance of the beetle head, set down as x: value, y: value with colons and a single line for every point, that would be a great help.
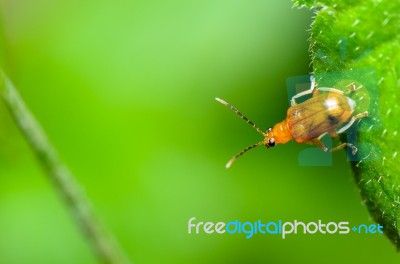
x: 269, y: 138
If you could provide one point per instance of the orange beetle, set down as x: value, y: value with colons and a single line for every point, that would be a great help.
x: 309, y: 121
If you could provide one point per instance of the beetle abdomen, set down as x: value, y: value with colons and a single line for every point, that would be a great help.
x: 321, y: 113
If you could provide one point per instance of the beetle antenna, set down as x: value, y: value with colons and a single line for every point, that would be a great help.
x: 229, y: 164
x: 248, y: 121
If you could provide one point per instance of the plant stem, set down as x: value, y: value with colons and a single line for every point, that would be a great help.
x: 105, y: 247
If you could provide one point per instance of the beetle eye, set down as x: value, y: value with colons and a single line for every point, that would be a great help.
x: 269, y: 129
x: 271, y: 142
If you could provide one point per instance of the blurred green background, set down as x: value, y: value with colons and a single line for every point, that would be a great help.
x: 125, y: 91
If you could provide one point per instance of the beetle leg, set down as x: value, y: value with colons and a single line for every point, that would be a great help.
x: 327, y: 89
x: 306, y: 92
x: 339, y: 147
x: 317, y: 141
x: 320, y: 144
x: 315, y: 92
x: 352, y: 88
x: 351, y: 122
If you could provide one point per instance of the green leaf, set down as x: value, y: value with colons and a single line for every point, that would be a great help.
x: 358, y: 41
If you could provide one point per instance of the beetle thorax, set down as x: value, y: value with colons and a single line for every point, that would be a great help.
x: 280, y: 133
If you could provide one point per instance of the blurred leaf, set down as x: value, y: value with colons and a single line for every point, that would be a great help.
x: 347, y: 36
